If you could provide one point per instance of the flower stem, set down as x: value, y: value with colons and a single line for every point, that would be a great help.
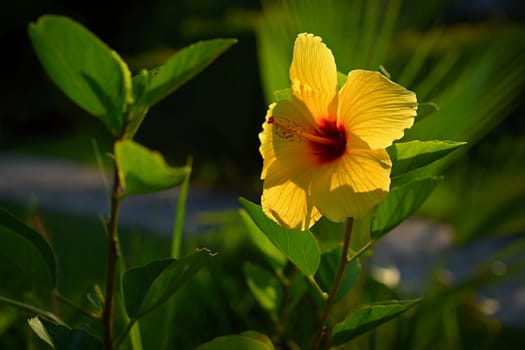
x: 321, y: 331
x: 112, y: 257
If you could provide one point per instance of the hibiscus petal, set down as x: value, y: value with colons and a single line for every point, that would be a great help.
x: 375, y: 109
x: 288, y: 202
x: 279, y: 143
x: 313, y: 74
x: 353, y: 185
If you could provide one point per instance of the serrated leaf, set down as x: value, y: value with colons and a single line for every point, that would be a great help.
x: 300, y: 247
x: 399, y: 204
x: 239, y: 342
x: 368, y: 317
x: 274, y: 256
x: 408, y: 156
x: 328, y: 269
x: 181, y: 67
x: 26, y: 249
x: 149, y: 286
x: 84, y: 68
x: 144, y: 171
x: 265, y: 288
x: 61, y: 337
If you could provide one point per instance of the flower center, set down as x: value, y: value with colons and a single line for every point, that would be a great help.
x: 334, y: 144
x: 327, y: 141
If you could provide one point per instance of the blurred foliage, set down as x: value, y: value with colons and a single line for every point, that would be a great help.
x: 473, y: 72
x: 221, y: 302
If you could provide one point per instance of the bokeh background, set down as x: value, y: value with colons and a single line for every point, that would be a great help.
x: 465, y: 56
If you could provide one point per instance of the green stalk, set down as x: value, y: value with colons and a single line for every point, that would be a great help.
x: 176, y: 241
x: 321, y: 330
x: 112, y: 258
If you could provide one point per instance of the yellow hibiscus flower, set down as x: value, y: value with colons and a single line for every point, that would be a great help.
x: 324, y: 150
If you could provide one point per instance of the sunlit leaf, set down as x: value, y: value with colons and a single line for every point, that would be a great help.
x: 26, y: 249
x: 140, y: 83
x: 265, y: 288
x: 300, y: 247
x: 60, y: 337
x: 181, y: 67
x: 400, y: 203
x: 407, y: 156
x: 328, y: 268
x: 40, y: 330
x: 244, y: 341
x: 274, y: 256
x: 143, y: 171
x: 367, y: 317
x: 84, y: 68
x: 149, y: 286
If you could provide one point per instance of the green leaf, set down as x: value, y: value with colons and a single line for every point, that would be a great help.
x: 282, y: 95
x: 368, y: 317
x: 274, y: 256
x: 341, y: 79
x: 265, y: 288
x: 84, y: 68
x: 144, y: 171
x: 400, y: 203
x: 328, y: 269
x: 60, y: 337
x: 408, y: 156
x: 140, y: 83
x: 300, y: 247
x: 27, y: 250
x: 263, y: 338
x: 247, y: 340
x: 149, y: 286
x: 181, y: 67
x: 329, y: 233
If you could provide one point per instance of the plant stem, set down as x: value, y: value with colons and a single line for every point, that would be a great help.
x: 74, y: 306
x: 128, y: 328
x: 178, y: 226
x: 319, y: 290
x: 32, y: 309
x: 335, y: 286
x: 112, y: 257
